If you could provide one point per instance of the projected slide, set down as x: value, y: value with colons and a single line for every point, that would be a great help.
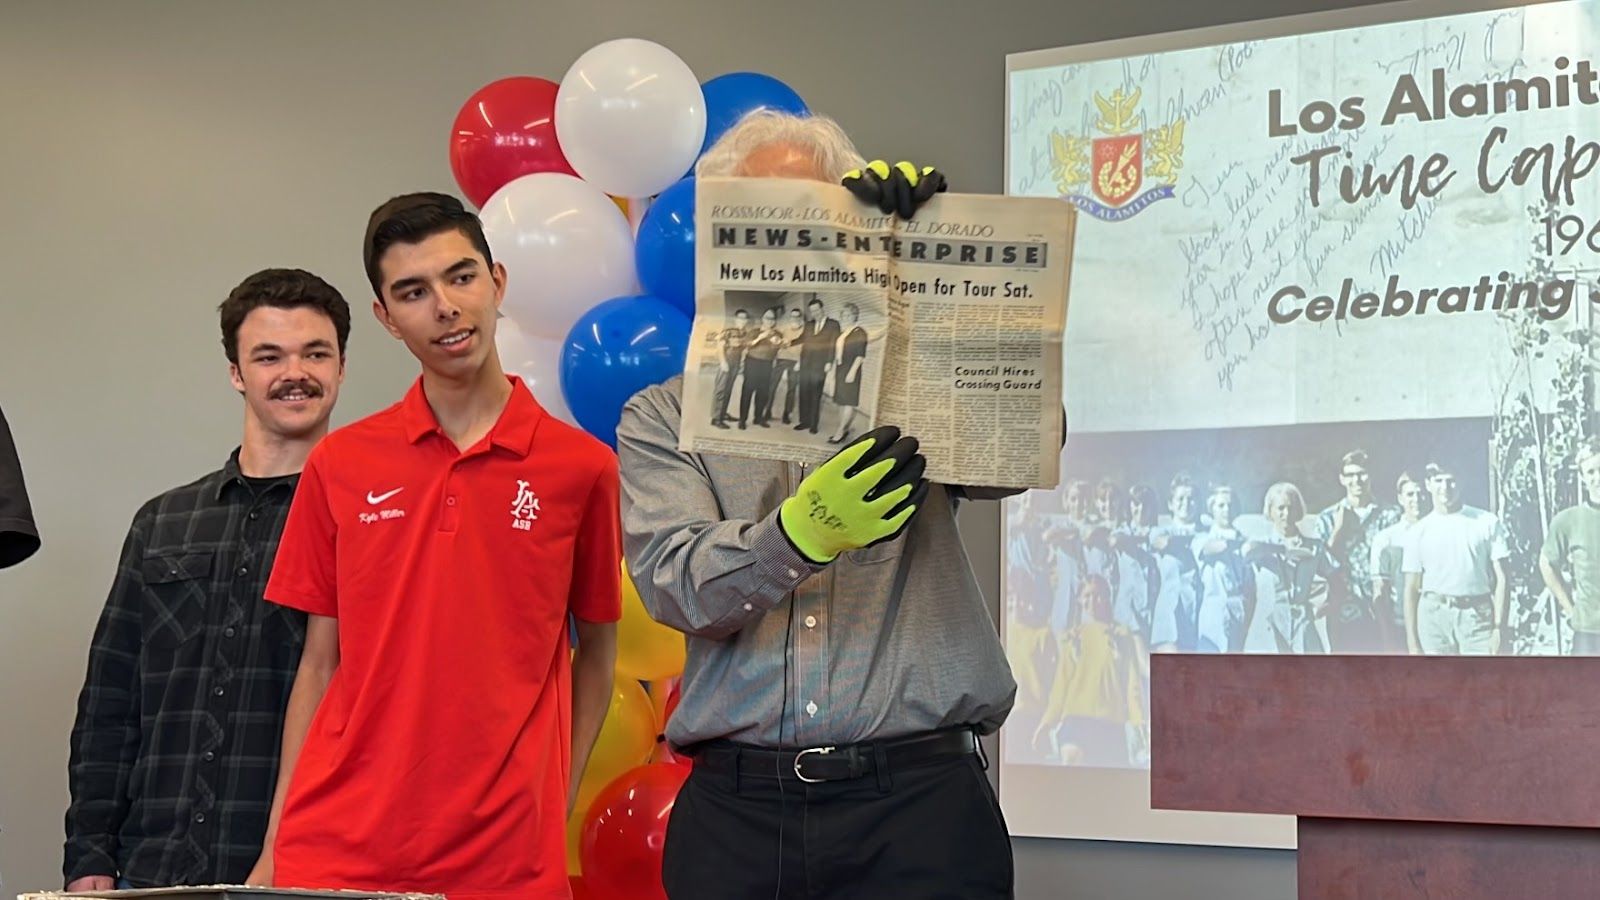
x: 1329, y: 355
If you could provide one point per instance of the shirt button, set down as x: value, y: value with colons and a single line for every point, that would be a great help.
x: 748, y: 607
x: 449, y: 501
x: 812, y: 707
x: 244, y: 570
x: 254, y: 516
x: 219, y: 691
x: 811, y: 621
x: 793, y: 574
x: 200, y: 817
x: 230, y: 631
x: 209, y: 755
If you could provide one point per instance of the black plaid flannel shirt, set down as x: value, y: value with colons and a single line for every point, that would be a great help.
x: 175, y: 749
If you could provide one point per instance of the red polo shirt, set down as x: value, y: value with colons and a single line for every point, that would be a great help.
x: 439, y: 758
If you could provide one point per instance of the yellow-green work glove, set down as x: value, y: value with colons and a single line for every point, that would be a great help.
x: 864, y: 494
x: 898, y: 189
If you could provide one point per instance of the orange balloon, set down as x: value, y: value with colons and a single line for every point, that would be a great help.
x: 665, y: 754
x: 646, y: 649
x: 662, y: 693
x: 621, y: 202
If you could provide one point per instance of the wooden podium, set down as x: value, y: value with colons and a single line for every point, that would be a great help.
x: 1438, y: 777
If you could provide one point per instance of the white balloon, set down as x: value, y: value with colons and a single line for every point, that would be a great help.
x: 565, y: 246
x: 538, y: 361
x: 630, y: 117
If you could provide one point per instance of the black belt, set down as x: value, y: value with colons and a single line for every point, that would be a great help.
x: 1460, y: 601
x: 835, y: 763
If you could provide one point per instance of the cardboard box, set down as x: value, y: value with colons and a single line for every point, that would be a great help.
x: 230, y: 892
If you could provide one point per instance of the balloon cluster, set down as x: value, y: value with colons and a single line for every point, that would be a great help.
x: 583, y: 196
x: 582, y: 190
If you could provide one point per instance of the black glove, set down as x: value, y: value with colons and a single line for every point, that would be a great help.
x: 896, y: 190
x: 909, y: 465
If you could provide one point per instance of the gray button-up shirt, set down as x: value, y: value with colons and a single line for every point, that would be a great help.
x: 885, y: 641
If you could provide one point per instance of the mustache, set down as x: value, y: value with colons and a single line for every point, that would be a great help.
x: 307, y: 386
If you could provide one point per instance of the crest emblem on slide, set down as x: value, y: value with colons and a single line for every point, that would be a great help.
x: 1102, y: 174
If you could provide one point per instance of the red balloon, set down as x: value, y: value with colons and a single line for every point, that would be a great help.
x: 580, y: 890
x: 505, y: 130
x: 625, y: 833
x: 673, y: 696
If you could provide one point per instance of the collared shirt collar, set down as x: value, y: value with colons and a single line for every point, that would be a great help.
x: 513, y: 431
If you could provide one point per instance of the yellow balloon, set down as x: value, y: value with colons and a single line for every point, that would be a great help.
x: 621, y: 202
x: 646, y: 649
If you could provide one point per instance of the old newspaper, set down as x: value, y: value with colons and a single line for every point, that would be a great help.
x: 819, y: 318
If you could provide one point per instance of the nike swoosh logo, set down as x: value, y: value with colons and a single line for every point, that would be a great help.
x: 382, y: 497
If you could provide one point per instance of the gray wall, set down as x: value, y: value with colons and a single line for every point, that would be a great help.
x: 153, y: 153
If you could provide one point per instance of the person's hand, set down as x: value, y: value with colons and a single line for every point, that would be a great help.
x: 864, y: 494
x: 1344, y: 522
x: 896, y: 190
x: 261, y: 873
x: 92, y: 883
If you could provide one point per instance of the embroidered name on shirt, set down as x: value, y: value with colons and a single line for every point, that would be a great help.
x: 525, y: 508
x: 369, y: 518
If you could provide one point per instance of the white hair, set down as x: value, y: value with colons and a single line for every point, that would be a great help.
x: 1285, y: 490
x: 829, y: 145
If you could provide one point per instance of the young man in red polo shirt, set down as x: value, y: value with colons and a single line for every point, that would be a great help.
x: 436, y: 726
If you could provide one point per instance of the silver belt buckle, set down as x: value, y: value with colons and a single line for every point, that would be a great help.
x: 820, y: 751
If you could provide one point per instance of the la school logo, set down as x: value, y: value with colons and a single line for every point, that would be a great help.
x: 525, y: 508
x: 1114, y: 165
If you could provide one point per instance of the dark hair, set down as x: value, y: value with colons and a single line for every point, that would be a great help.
x: 1102, y: 604
x: 412, y: 219
x: 814, y: 301
x: 1111, y: 492
x: 1354, y: 458
x: 282, y: 289
x: 1145, y: 496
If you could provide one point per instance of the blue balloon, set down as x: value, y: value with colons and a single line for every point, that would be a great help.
x: 729, y: 97
x: 664, y: 248
x: 615, y: 350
